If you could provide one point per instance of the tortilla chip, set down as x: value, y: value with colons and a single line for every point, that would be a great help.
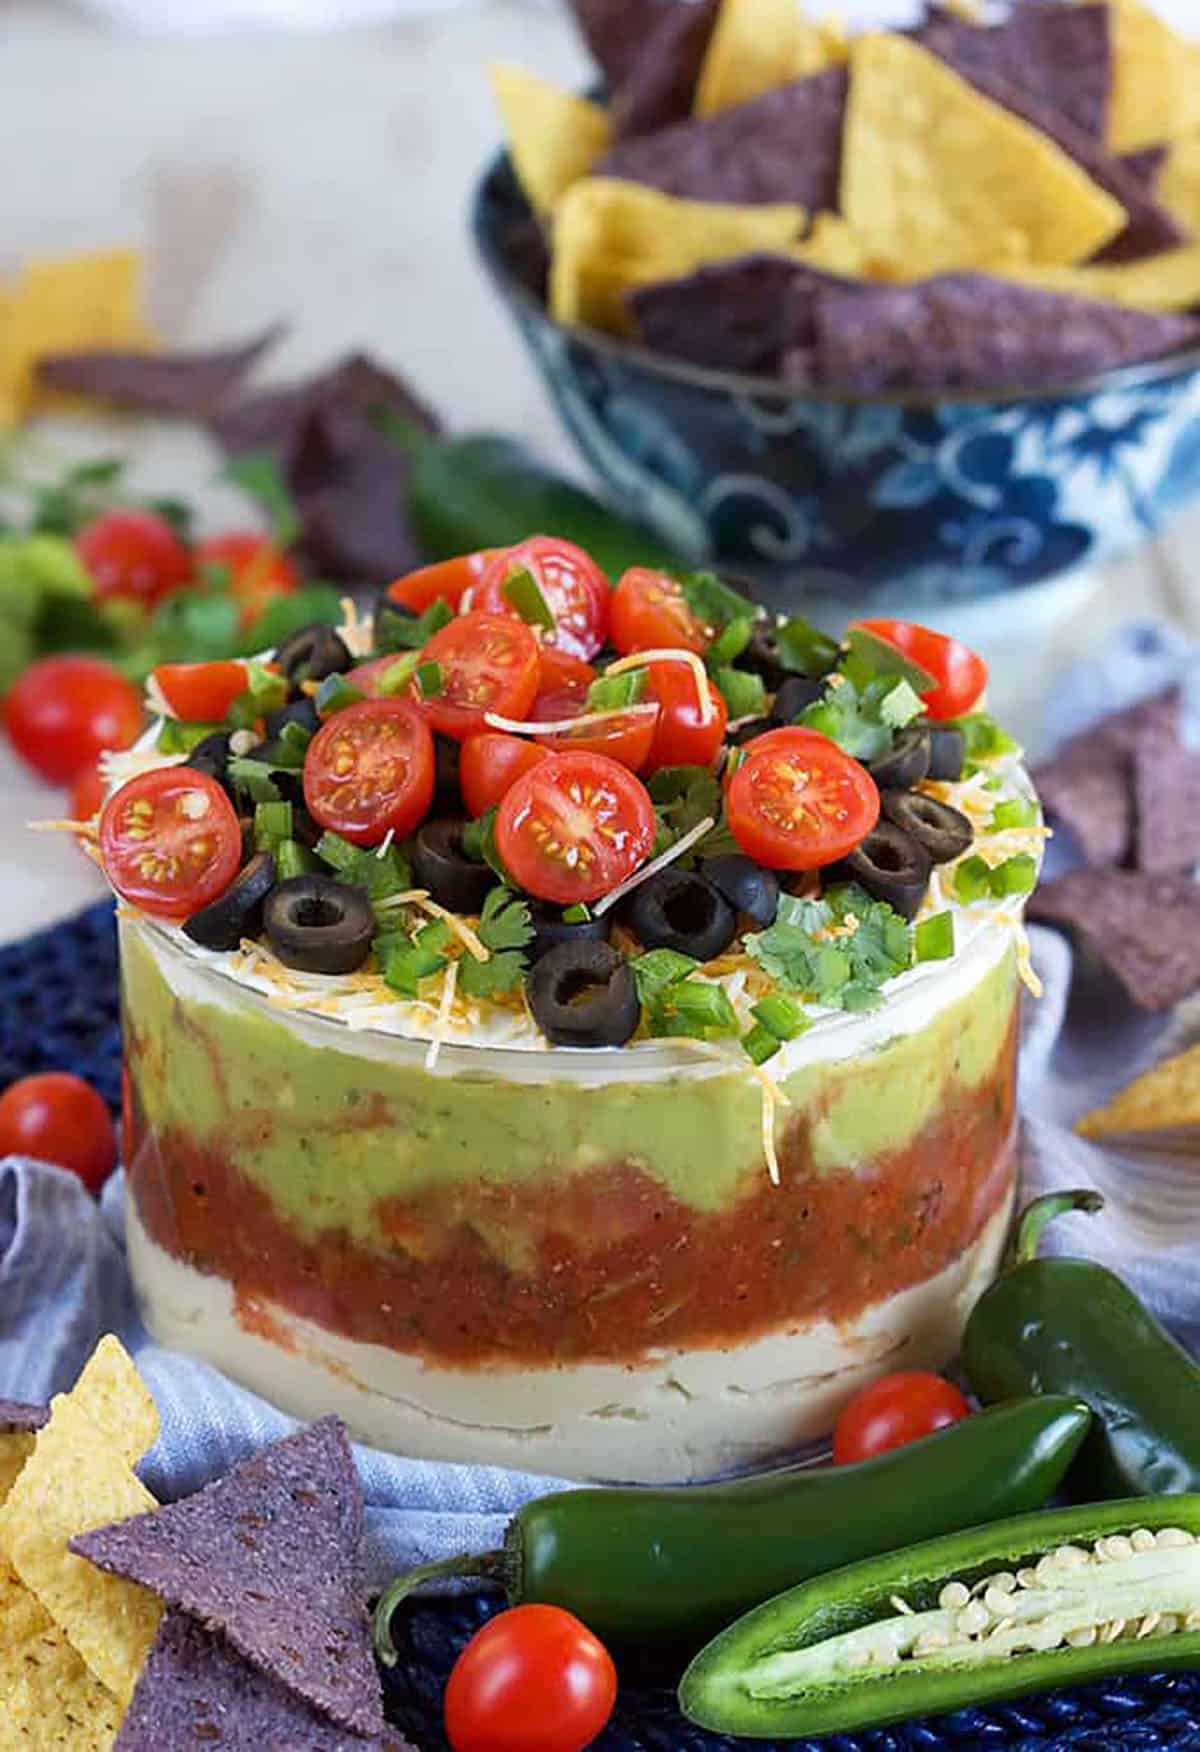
x: 746, y: 315
x: 269, y: 1555
x: 1145, y: 929
x: 189, y: 385
x: 616, y: 32
x: 15, y: 1448
x: 661, y: 85
x: 116, y: 1399
x: 937, y: 176
x: 18, y: 1414
x: 1059, y: 56
x: 1163, y: 283
x: 1168, y: 1095
x: 785, y: 146
x: 1179, y: 181
x: 554, y: 137
x: 48, y: 1698
x: 75, y: 1481
x: 757, y: 46
x: 1166, y: 805
x: 1146, y: 165
x: 610, y: 236
x: 63, y: 303
x: 1092, y: 799
x: 1156, y: 79
x: 834, y: 247
x: 966, y: 332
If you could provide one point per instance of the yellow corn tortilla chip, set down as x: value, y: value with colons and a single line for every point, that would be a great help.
x: 15, y: 1448
x: 117, y: 1400
x: 757, y: 46
x: 62, y: 304
x: 611, y: 235
x: 554, y: 138
x: 1156, y: 80
x: 75, y: 1481
x: 1179, y: 181
x: 48, y: 1698
x: 1162, y: 283
x: 1167, y: 1096
x: 835, y: 246
x: 937, y: 177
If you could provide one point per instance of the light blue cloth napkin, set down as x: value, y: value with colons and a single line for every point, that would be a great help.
x: 63, y: 1278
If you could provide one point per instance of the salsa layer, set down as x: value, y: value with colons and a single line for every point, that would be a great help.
x: 394, y: 1226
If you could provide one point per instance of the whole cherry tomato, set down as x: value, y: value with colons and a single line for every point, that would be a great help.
x: 573, y: 588
x: 534, y: 1679
x: 894, y: 1410
x: 134, y: 555
x: 258, y: 570
x: 64, y: 711
x: 55, y: 1117
x: 490, y: 763
x: 681, y: 736
x: 797, y: 801
x: 960, y: 674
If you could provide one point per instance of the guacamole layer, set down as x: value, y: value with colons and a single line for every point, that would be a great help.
x: 473, y: 1220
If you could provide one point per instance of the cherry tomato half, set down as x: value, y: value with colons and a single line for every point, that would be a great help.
x: 135, y: 555
x: 490, y: 763
x: 370, y: 770
x: 575, y: 590
x: 58, y: 1118
x: 960, y: 674
x: 563, y: 682
x: 444, y: 582
x: 797, y: 801
x: 64, y: 711
x: 489, y: 663
x: 170, y: 841
x: 574, y: 826
x: 894, y: 1410
x: 534, y: 1679
x: 649, y: 611
x: 258, y: 570
x: 87, y: 793
x: 199, y: 692
x: 681, y: 738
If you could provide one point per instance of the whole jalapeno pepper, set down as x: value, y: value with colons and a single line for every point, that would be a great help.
x: 996, y: 1612
x: 674, y: 1565
x: 1071, y: 1326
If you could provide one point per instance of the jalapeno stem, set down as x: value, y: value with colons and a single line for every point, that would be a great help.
x: 487, y: 1565
x: 1043, y: 1210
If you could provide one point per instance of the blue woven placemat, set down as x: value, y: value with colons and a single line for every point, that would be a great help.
x: 59, y: 1011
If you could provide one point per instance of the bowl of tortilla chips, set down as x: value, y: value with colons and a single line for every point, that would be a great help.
x: 907, y: 315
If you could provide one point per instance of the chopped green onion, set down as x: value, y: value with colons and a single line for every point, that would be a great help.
x: 396, y: 677
x: 272, y: 825
x: 780, y: 1016
x: 983, y: 738
x: 972, y: 880
x: 404, y: 967
x: 610, y: 693
x: 579, y: 914
x: 691, y: 1008
x: 1017, y: 875
x: 177, y: 737
x: 760, y: 1044
x: 522, y: 591
x: 429, y: 679
x: 335, y: 693
x: 733, y: 760
x: 900, y: 705
x: 743, y: 692
x: 265, y: 692
x: 396, y: 630
x: 933, y: 938
x: 1015, y: 812
x: 296, y: 737
x: 658, y: 969
x: 293, y: 859
x: 730, y: 642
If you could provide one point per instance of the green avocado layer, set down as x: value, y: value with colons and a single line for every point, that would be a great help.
x: 330, y: 1134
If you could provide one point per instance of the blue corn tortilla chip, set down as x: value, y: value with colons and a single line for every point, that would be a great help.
x: 269, y: 1556
x: 1166, y: 805
x: 195, y: 1691
x: 746, y: 315
x: 783, y: 146
x: 1147, y: 164
x: 1150, y: 228
x: 1144, y: 928
x: 616, y: 32
x: 187, y: 385
x: 969, y: 332
x: 661, y: 83
x: 1090, y: 784
x: 16, y: 1416
x: 1059, y: 56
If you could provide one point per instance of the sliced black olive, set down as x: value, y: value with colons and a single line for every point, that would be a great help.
x: 746, y: 885
x: 211, y: 756
x: 238, y: 912
x: 891, y: 866
x: 312, y: 653
x: 797, y: 692
x: 948, y: 750
x: 761, y: 655
x: 749, y: 730
x: 906, y: 763
x: 677, y: 909
x: 551, y: 929
x: 305, y: 831
x: 583, y: 994
x: 318, y: 925
x: 302, y: 711
x: 447, y: 793
x: 441, y: 866
x: 938, y: 829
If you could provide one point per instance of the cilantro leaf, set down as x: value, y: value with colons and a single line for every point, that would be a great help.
x: 744, y: 694
x: 362, y: 867
x: 487, y: 979
x: 809, y: 950
x: 851, y: 719
x: 505, y: 922
x: 260, y: 476
x: 804, y: 649
x: 287, y: 614
x: 900, y: 705
x: 253, y: 779
x: 870, y: 656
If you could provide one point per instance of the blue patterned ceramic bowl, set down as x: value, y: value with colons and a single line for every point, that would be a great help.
x: 901, y: 498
